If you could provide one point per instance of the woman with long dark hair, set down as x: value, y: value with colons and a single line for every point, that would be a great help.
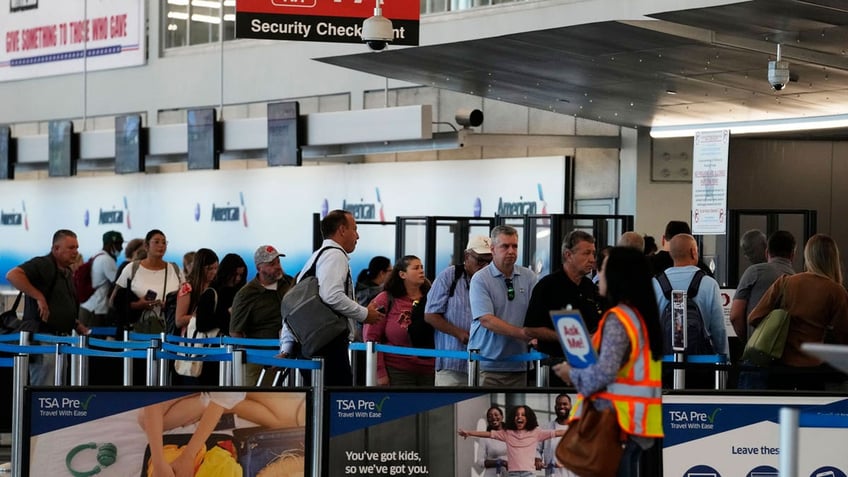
x: 199, y: 301
x: 406, y: 288
x: 369, y: 282
x: 232, y: 275
x: 627, y: 374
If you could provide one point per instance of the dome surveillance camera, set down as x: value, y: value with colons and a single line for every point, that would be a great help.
x: 377, y: 31
x: 778, y: 74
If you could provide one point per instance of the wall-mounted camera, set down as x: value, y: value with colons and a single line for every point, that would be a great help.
x: 377, y: 31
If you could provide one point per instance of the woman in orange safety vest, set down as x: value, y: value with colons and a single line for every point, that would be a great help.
x: 627, y: 374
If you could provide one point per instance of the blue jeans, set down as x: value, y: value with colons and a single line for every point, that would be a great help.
x: 629, y: 465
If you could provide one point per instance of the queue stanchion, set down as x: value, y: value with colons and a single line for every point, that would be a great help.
x: 679, y: 371
x: 128, y: 362
x: 721, y: 373
x: 228, y: 368
x: 152, y: 364
x: 789, y: 420
x: 58, y: 367
x: 238, y: 367
x: 370, y: 364
x: 542, y: 371
x: 20, y: 373
x: 163, y: 364
x: 79, y: 364
x: 317, y: 410
x: 473, y: 367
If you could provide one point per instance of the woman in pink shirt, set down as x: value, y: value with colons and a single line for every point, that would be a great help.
x: 521, y: 436
x: 406, y: 287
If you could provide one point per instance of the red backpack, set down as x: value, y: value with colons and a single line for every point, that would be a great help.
x: 82, y: 279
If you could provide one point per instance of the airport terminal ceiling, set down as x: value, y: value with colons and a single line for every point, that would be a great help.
x: 685, y: 67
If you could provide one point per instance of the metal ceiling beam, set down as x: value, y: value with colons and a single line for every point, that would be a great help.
x: 460, y: 139
x: 788, y: 52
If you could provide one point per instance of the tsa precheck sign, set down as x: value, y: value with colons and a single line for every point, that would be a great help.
x: 731, y: 436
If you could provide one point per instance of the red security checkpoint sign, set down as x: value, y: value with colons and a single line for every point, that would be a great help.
x: 337, y: 21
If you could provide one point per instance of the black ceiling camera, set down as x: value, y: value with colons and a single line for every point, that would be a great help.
x: 377, y: 31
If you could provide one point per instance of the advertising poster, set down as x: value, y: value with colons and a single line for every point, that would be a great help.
x: 142, y: 432
x: 413, y: 433
x: 54, y: 37
x: 739, y: 435
x: 236, y: 211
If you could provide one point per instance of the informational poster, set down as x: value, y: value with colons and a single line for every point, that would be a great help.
x: 338, y: 21
x: 418, y: 433
x: 739, y: 435
x: 55, y: 37
x: 141, y: 432
x: 726, y: 303
x: 709, y: 182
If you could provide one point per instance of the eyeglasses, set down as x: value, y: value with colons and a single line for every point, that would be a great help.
x: 481, y: 260
x: 510, y: 290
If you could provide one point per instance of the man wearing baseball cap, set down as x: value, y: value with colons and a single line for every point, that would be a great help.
x: 449, y: 311
x: 256, y: 307
x: 104, y: 265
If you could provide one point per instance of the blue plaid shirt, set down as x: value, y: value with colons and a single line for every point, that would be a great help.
x: 456, y: 310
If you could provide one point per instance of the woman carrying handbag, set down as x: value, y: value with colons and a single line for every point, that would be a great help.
x: 620, y: 394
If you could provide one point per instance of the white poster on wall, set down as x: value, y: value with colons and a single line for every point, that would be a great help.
x: 55, y: 37
x: 709, y: 182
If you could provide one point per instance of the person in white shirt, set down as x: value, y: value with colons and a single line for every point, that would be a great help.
x: 103, y: 269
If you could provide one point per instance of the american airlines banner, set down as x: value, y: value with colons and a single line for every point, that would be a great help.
x: 55, y: 37
x: 337, y: 21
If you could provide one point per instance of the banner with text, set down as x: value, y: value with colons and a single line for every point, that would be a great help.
x: 337, y: 21
x: 709, y: 182
x: 739, y: 436
x: 55, y: 37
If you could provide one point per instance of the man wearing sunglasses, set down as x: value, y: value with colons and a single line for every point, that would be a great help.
x: 570, y: 285
x: 449, y: 311
x: 499, y: 296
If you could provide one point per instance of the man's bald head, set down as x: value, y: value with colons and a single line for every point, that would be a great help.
x: 683, y: 250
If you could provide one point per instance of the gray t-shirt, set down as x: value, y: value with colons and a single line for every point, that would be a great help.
x: 758, y: 278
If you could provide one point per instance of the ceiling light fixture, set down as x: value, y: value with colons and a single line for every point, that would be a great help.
x: 754, y: 127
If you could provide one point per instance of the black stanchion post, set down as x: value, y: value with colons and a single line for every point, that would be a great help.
x: 317, y: 410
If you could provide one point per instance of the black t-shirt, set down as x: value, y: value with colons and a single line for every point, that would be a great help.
x: 555, y: 292
x: 58, y: 288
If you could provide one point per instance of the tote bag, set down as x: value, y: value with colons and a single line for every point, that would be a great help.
x: 593, y: 445
x: 191, y: 368
x: 768, y: 339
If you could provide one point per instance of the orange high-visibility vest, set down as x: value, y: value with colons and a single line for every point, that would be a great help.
x: 636, y: 393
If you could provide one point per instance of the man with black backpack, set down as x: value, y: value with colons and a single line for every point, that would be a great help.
x: 448, y: 310
x: 705, y: 329
x: 93, y: 280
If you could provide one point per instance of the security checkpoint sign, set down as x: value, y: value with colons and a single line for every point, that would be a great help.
x: 337, y: 21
